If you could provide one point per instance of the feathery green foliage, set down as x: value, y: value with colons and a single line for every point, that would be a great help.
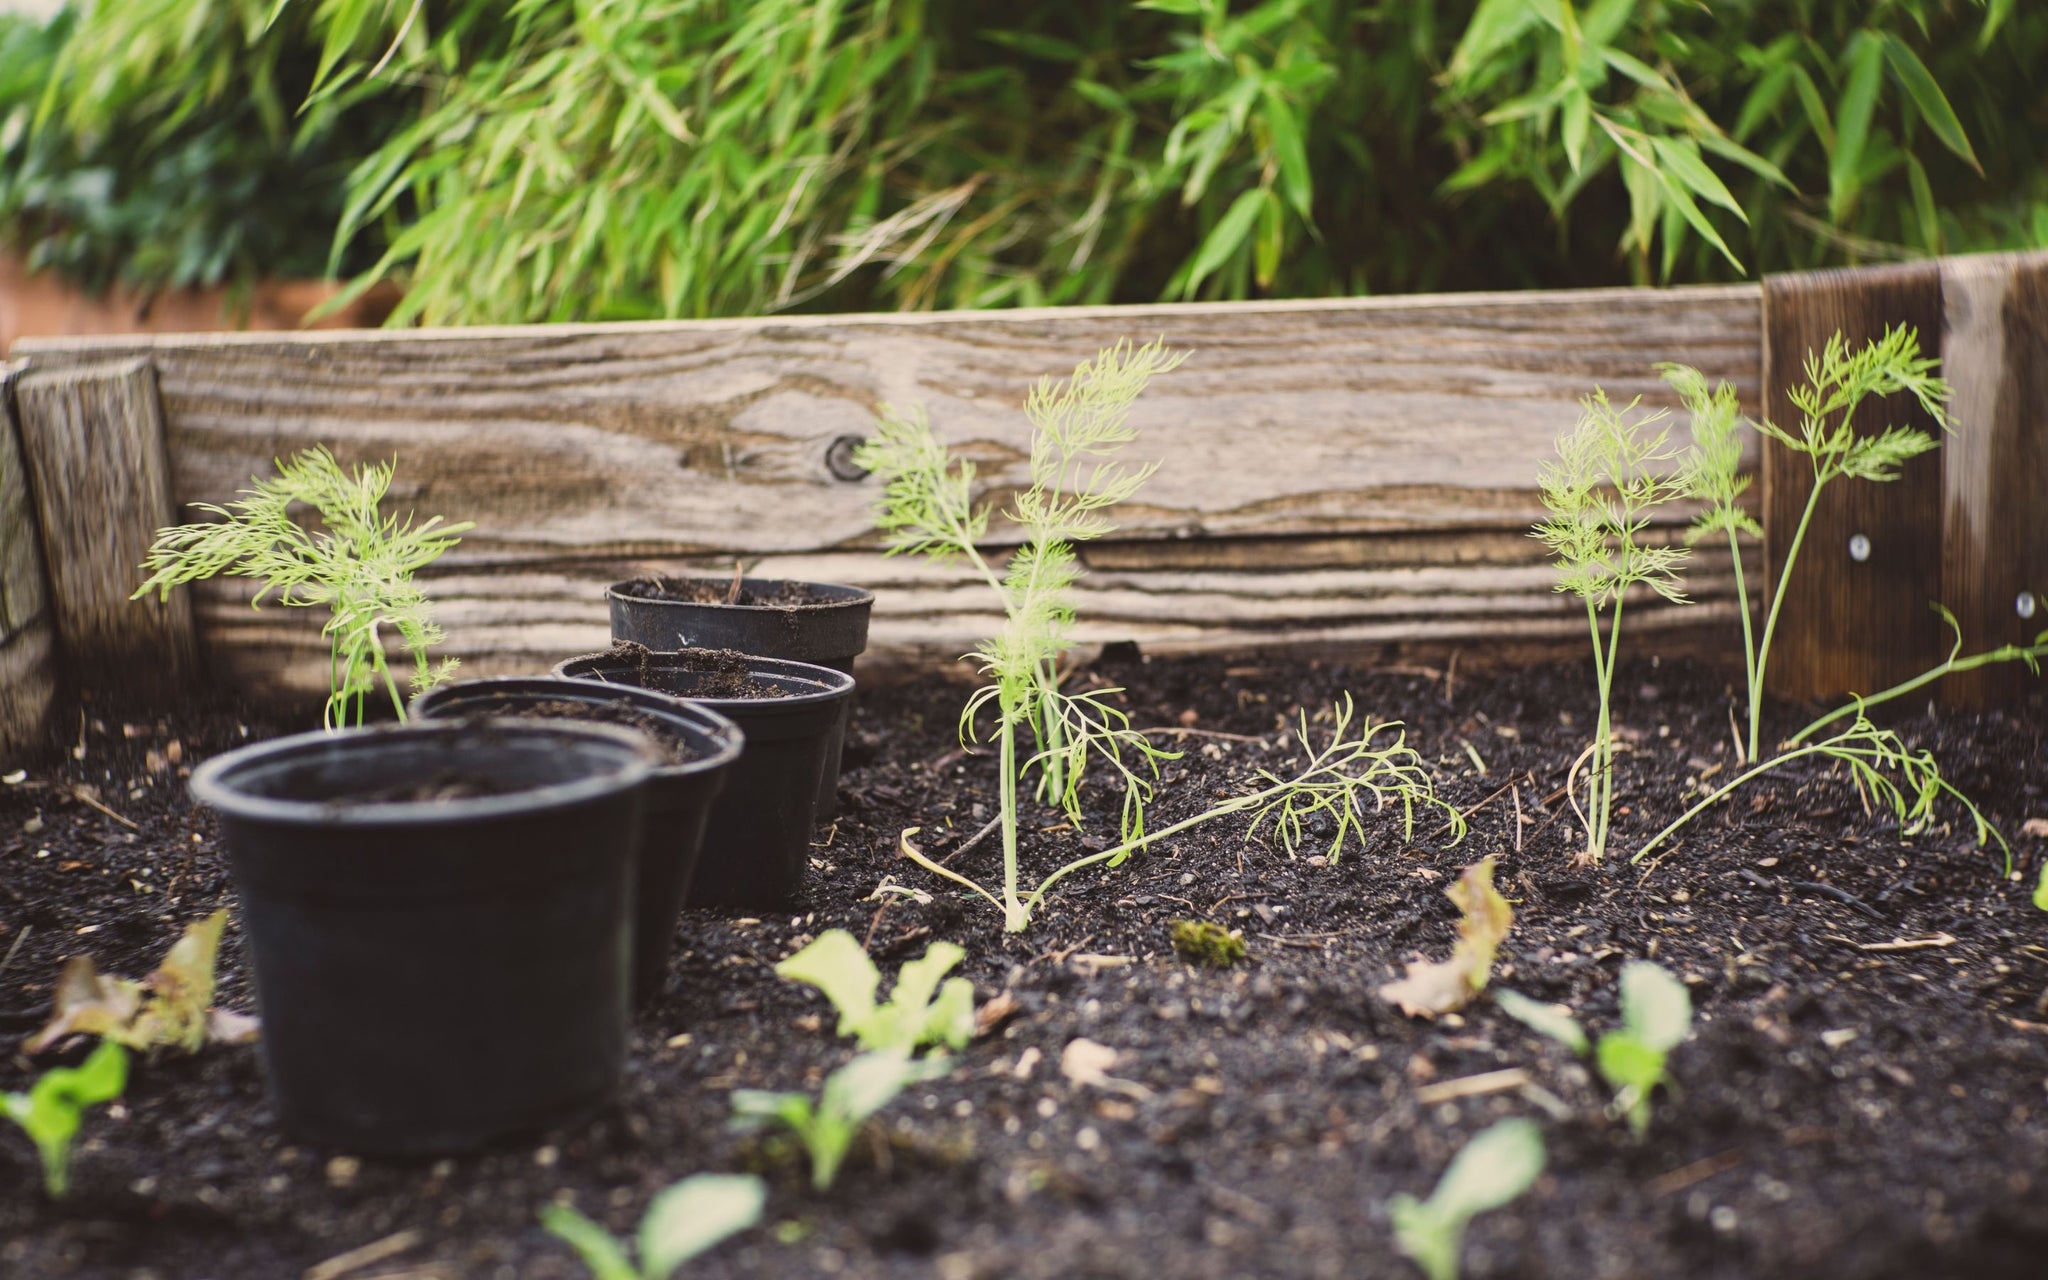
x: 920, y: 1010
x: 1497, y: 1166
x: 1612, y: 471
x: 851, y: 1096
x: 686, y: 1219
x: 1080, y: 426
x: 360, y: 565
x: 54, y: 1107
x: 692, y: 157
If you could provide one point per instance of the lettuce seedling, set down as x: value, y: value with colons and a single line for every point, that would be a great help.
x: 685, y: 1220
x: 51, y: 1111
x: 920, y: 1011
x: 170, y: 1009
x: 1611, y: 473
x: 927, y: 508
x: 1656, y: 1017
x: 1431, y: 987
x: 852, y: 1095
x: 1499, y: 1164
x: 360, y: 565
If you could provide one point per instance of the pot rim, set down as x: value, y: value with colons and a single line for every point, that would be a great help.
x: 857, y: 597
x: 728, y: 739
x: 213, y: 782
x: 831, y: 684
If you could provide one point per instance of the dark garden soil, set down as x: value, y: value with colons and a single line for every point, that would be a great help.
x: 784, y: 595
x: 1865, y: 1093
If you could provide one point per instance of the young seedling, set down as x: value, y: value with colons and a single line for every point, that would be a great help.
x: 920, y: 1011
x: 1431, y: 987
x: 360, y: 565
x: 1612, y: 471
x: 685, y: 1220
x: 1838, y: 381
x: 1499, y: 1164
x: 170, y: 1009
x: 51, y: 1111
x: 1656, y: 1017
x: 1080, y: 426
x: 852, y: 1095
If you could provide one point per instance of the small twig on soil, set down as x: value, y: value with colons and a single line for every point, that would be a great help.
x: 1472, y: 1086
x: 1896, y: 944
x: 86, y: 797
x: 1181, y: 731
x: 1451, y: 676
x: 1693, y: 1174
x: 973, y: 840
x: 1474, y: 809
x: 367, y: 1255
x: 739, y: 570
x: 1519, y: 819
x: 1840, y: 895
x: 1303, y: 941
x: 19, y: 938
x: 1741, y: 755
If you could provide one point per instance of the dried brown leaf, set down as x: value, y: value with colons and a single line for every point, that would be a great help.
x: 1432, y: 987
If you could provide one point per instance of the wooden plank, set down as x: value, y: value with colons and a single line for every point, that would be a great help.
x: 1329, y: 435
x: 93, y: 436
x: 1995, y: 468
x: 28, y: 667
x: 1851, y: 626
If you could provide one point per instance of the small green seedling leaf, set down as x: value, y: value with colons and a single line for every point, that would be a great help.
x: 685, y: 1220
x: 694, y: 1216
x: 921, y: 1011
x: 2041, y: 891
x: 1431, y: 987
x: 1656, y: 1014
x: 54, y: 1107
x: 851, y: 1096
x: 1499, y: 1164
x: 1547, y: 1019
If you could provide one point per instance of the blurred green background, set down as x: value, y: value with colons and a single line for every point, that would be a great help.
x: 536, y: 160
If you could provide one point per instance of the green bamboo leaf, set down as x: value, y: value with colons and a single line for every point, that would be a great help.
x: 1578, y: 119
x: 1296, y: 182
x: 1495, y: 25
x: 1923, y: 205
x: 1225, y: 238
x: 1675, y: 195
x: 1680, y: 159
x: 1995, y: 15
x: 1272, y: 240
x: 1865, y: 57
x: 1914, y: 77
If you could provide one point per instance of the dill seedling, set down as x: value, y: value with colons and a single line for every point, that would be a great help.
x: 1838, y: 381
x: 1610, y: 474
x: 360, y: 565
x: 1079, y: 428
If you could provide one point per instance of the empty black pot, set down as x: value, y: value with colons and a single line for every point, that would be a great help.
x: 435, y: 972
x: 679, y: 794
x: 757, y: 842
x: 817, y: 622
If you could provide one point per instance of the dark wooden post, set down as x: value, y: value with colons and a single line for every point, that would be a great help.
x: 94, y: 437
x: 1850, y: 624
x: 1966, y: 527
x: 1995, y: 469
x: 28, y: 664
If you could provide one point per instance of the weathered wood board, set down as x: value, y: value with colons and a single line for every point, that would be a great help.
x: 28, y: 667
x: 93, y: 438
x: 1331, y: 471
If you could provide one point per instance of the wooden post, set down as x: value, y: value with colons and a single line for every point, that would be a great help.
x: 1995, y: 468
x: 94, y: 437
x: 1850, y: 624
x: 28, y: 662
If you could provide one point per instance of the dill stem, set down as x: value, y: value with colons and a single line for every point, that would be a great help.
x: 1763, y: 650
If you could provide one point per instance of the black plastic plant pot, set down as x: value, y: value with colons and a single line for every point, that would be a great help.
x: 822, y: 623
x: 698, y: 747
x: 439, y: 917
x: 757, y: 842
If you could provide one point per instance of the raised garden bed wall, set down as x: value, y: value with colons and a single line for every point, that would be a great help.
x: 1334, y: 474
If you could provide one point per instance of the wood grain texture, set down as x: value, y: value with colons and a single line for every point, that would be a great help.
x: 28, y: 667
x: 1995, y: 467
x: 1850, y: 627
x: 1331, y: 470
x: 93, y: 436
